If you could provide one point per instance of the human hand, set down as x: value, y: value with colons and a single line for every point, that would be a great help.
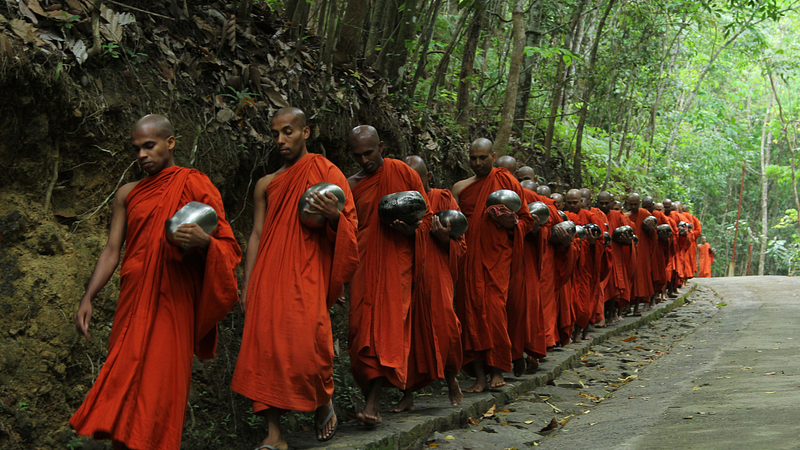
x: 83, y: 316
x: 326, y: 206
x: 561, y: 236
x: 502, y: 216
x: 439, y: 231
x: 190, y: 235
x: 243, y: 299
x: 404, y: 228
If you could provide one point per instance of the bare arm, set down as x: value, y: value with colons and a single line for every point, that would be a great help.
x: 259, y: 214
x: 107, y: 262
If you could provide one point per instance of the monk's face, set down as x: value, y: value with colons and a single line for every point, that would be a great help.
x: 368, y: 153
x: 667, y: 206
x: 153, y: 151
x: 634, y: 203
x: 573, y: 202
x: 481, y: 159
x: 604, y: 202
x: 289, y: 136
x: 559, y: 199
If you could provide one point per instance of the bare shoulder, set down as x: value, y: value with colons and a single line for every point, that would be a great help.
x: 458, y: 187
x: 354, y: 179
x: 122, y: 193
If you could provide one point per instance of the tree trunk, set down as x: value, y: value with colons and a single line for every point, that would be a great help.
x: 467, y: 65
x: 399, y: 57
x: 766, y: 139
x: 532, y: 36
x: 422, y: 57
x: 445, y: 61
x: 389, y: 31
x: 375, y: 31
x: 789, y: 144
x: 517, y: 52
x: 352, y: 24
x: 330, y: 35
x: 577, y: 178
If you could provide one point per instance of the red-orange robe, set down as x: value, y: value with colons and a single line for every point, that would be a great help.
x: 685, y: 269
x: 674, y: 253
x: 696, y: 232
x: 169, y: 305
x: 619, y: 284
x: 705, y: 261
x: 606, y: 262
x: 660, y: 256
x: 298, y: 275
x: 558, y: 264
x: 435, y: 329
x: 379, y: 338
x: 642, y: 286
x: 524, y: 307
x: 587, y: 274
x: 486, y: 270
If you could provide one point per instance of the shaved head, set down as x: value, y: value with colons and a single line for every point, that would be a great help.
x: 418, y: 164
x: 297, y: 115
x: 366, y: 148
x: 363, y: 133
x: 482, y: 143
x: 526, y: 173
x: 544, y: 190
x: 573, y: 201
x: 634, y: 202
x: 158, y: 124
x: 659, y: 207
x: 507, y: 162
x: 586, y: 198
x: 530, y: 185
x: 617, y: 206
x: 647, y: 203
x: 604, y: 201
x: 482, y: 157
x: 559, y: 199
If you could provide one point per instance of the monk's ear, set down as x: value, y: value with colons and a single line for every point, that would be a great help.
x: 170, y: 143
x: 380, y: 147
x: 430, y: 176
x: 306, y: 132
x: 494, y: 157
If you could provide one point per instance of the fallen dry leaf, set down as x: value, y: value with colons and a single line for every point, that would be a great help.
x: 771, y: 392
x: 473, y: 422
x: 490, y: 413
x: 630, y: 339
x: 550, y: 426
x: 696, y: 388
x: 433, y: 445
x: 449, y: 436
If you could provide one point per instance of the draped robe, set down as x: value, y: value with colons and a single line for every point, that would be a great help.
x: 606, y: 262
x: 435, y: 329
x: 619, y: 284
x: 696, y: 232
x: 558, y: 264
x: 486, y: 271
x: 587, y: 273
x: 379, y: 338
x: 705, y: 261
x: 642, y: 286
x: 660, y: 256
x: 169, y: 304
x: 298, y: 275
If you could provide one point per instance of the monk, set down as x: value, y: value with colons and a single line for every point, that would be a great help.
x: 696, y: 231
x: 661, y: 251
x: 558, y: 199
x: 379, y: 338
x: 685, y: 240
x: 171, y: 297
x: 293, y: 275
x: 435, y: 330
x: 598, y: 317
x: 618, y: 294
x: 495, y: 244
x: 526, y: 173
x: 544, y: 191
x: 642, y: 291
x: 523, y: 307
x: 705, y: 258
x: 675, y: 264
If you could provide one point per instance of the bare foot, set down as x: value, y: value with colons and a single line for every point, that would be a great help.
x: 586, y: 337
x: 368, y: 420
x: 405, y: 404
x: 601, y: 323
x: 519, y: 367
x: 325, y: 427
x: 533, y: 364
x: 497, y: 380
x: 453, y: 388
x: 479, y: 386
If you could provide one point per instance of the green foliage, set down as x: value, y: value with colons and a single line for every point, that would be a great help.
x: 74, y: 443
x: 111, y: 49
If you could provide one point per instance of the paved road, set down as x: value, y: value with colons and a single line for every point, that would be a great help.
x: 724, y: 374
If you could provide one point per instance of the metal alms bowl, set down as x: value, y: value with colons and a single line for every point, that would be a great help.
x: 649, y: 223
x: 456, y: 219
x: 619, y: 232
x: 316, y: 220
x: 540, y: 211
x: 594, y: 229
x: 504, y: 197
x: 606, y: 238
x: 563, y: 215
x: 580, y: 231
x: 192, y: 212
x: 567, y: 225
x: 664, y: 231
x: 408, y: 206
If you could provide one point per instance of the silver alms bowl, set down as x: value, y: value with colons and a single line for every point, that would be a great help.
x: 316, y: 220
x: 649, y: 223
x: 569, y: 226
x: 504, y: 197
x: 408, y: 206
x: 192, y: 212
x: 563, y: 215
x: 620, y: 233
x: 580, y: 231
x: 540, y: 211
x: 456, y: 219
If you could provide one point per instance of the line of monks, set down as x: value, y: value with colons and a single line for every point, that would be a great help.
x: 423, y: 304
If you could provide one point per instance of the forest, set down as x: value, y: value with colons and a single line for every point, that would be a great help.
x: 696, y: 101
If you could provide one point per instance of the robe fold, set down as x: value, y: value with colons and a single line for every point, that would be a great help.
x: 435, y: 329
x: 660, y: 256
x: 705, y: 261
x: 685, y: 269
x: 606, y: 262
x: 587, y: 273
x: 619, y: 284
x: 298, y: 274
x: 169, y: 305
x: 558, y: 263
x: 642, y: 285
x: 486, y: 271
x: 696, y: 232
x: 379, y: 336
x: 674, y: 247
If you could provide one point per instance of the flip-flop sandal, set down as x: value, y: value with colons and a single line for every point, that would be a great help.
x: 321, y: 427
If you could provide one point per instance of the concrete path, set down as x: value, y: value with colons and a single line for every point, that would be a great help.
x: 413, y: 430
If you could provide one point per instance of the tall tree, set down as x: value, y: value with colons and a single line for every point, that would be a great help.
x: 463, y: 92
x: 532, y: 37
x: 766, y: 139
x: 515, y: 64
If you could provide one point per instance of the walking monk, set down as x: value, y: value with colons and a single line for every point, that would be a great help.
x: 623, y: 252
x: 292, y: 275
x: 495, y: 238
x: 586, y: 279
x: 661, y: 251
x: 435, y: 329
x: 380, y: 293
x: 642, y: 286
x: 705, y: 258
x: 171, y: 298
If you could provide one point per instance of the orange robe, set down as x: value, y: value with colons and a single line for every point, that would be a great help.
x: 169, y: 305
x: 524, y: 307
x: 298, y: 275
x: 660, y: 256
x: 379, y: 338
x: 435, y: 329
x: 685, y: 269
x: 606, y: 262
x: 619, y: 284
x: 696, y: 232
x: 587, y: 274
x: 642, y: 286
x: 486, y: 271
x: 674, y: 251
x: 705, y: 261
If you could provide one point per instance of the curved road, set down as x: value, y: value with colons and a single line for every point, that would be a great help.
x: 739, y: 387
